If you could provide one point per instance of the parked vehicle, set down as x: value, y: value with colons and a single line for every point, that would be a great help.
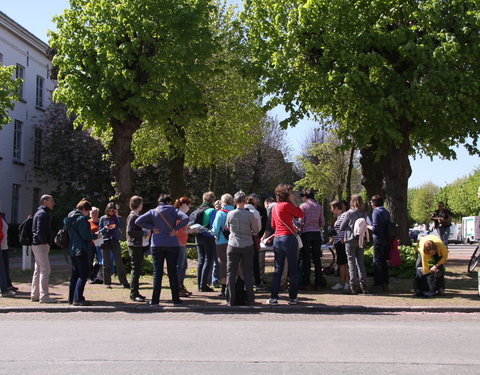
x: 422, y: 234
x: 456, y: 235
x: 413, y: 234
x: 471, y: 230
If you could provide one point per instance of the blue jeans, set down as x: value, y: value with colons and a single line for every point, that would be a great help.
x: 443, y: 233
x: 381, y: 249
x: 78, y: 278
x: 181, y: 264
x: 206, y: 254
x: 159, y: 254
x: 285, y: 247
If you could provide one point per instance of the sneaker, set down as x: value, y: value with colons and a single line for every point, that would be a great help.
x: 206, y: 289
x: 183, y: 293
x: 12, y: 288
x: 272, y: 301
x: 441, y: 292
x: 185, y: 290
x: 8, y: 293
x: 82, y: 303
x: 346, y: 286
x: 337, y: 286
x: 138, y: 298
x: 34, y: 299
x: 293, y: 301
x: 48, y: 300
x: 108, y: 286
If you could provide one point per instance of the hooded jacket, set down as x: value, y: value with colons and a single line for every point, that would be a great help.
x: 79, y: 232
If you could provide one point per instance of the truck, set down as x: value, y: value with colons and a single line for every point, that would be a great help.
x: 456, y: 235
x: 470, y: 229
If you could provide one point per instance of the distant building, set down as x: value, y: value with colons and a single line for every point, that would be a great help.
x: 21, y: 183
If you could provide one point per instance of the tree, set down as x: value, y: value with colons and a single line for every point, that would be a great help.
x: 399, y: 76
x: 8, y: 92
x: 423, y: 203
x: 124, y: 62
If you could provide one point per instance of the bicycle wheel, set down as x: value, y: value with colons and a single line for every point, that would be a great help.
x: 474, y: 260
x: 328, y: 258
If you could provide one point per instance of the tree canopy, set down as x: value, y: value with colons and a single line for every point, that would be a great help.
x: 8, y: 92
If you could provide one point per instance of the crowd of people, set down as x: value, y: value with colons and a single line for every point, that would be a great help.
x: 230, y: 234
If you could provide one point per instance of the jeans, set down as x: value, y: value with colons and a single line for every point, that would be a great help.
x: 114, y: 247
x: 181, y: 264
x: 256, y: 259
x: 443, y: 233
x: 78, y: 278
x: 285, y: 247
x: 159, y: 254
x: 6, y: 265
x: 431, y: 282
x: 356, y: 264
x: 380, y: 266
x: 215, y: 275
x: 136, y: 255
x: 221, y: 251
x: 3, y: 275
x: 235, y: 256
x: 312, y: 245
x: 206, y: 254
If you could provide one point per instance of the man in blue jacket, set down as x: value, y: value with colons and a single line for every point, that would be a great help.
x: 164, y: 221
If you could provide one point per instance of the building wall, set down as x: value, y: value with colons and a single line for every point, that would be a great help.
x: 19, y: 47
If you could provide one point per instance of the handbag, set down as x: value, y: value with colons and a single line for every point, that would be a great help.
x: 299, y: 239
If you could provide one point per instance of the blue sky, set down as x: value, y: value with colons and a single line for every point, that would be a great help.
x: 36, y: 17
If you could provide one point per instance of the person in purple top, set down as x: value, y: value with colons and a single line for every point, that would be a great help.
x: 311, y: 233
x: 162, y: 221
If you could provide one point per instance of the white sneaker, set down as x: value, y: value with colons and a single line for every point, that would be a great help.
x: 272, y: 301
x: 347, y: 286
x: 293, y: 301
x: 337, y: 286
x: 48, y: 300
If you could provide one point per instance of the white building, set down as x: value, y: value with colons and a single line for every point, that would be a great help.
x: 21, y: 183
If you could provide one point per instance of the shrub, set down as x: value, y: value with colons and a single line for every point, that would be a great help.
x: 408, y: 255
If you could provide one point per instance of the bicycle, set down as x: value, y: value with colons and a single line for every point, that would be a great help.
x: 474, y: 260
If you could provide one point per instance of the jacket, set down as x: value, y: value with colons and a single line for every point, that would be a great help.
x: 242, y: 225
x: 442, y: 252
x: 134, y: 232
x: 349, y: 220
x: 108, y: 234
x: 360, y: 231
x: 219, y: 225
x: 79, y: 232
x: 172, y: 219
x: 42, y: 227
x: 380, y: 219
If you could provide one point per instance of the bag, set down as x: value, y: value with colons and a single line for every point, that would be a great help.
x: 394, y: 254
x: 197, y: 216
x: 225, y: 230
x: 62, y: 238
x: 240, y: 293
x: 392, y: 231
x: 25, y: 234
x: 299, y: 240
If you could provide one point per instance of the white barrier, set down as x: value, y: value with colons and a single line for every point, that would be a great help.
x: 26, y: 258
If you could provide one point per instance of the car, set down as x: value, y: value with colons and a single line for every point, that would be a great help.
x: 413, y: 234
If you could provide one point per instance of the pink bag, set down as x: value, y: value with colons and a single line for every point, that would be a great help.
x: 394, y: 254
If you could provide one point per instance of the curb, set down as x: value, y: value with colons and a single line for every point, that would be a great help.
x: 302, y: 309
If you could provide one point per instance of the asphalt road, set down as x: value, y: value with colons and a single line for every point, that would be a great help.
x: 264, y: 343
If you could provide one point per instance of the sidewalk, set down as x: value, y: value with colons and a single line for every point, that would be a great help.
x: 462, y: 295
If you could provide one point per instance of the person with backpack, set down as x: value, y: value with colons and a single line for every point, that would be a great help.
x: 242, y: 224
x: 110, y: 227
x: 41, y: 240
x: 164, y: 221
x: 355, y: 228
x: 205, y: 241
x: 221, y: 238
x: 381, y: 244
x: 79, y: 245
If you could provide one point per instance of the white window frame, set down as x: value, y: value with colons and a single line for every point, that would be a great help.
x: 20, y: 73
x: 17, y: 140
x: 39, y: 92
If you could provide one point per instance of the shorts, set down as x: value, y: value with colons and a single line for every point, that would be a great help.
x: 341, y: 254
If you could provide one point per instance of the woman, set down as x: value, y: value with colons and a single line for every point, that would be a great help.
x: 430, y: 280
x: 78, y: 248
x: 285, y: 243
x: 221, y: 238
x: 110, y: 226
x: 353, y: 247
x: 336, y: 208
x: 5, y: 289
x: 242, y: 224
x: 183, y: 204
x: 311, y: 228
x: 135, y: 236
x: 95, y: 260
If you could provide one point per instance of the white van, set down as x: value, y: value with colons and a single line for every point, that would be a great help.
x: 470, y: 229
x: 456, y: 235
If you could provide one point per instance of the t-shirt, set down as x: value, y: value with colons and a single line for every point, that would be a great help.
x: 282, y: 218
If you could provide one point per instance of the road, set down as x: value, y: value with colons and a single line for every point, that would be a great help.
x: 263, y: 343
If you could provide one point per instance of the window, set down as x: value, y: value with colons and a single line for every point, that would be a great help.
x: 17, y: 140
x: 36, y: 199
x: 15, y: 203
x: 39, y: 96
x: 37, y: 151
x: 20, y: 73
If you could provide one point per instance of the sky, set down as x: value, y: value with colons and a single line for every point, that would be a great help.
x: 36, y: 17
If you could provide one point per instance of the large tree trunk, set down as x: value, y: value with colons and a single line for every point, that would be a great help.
x: 372, y: 171
x: 348, y: 183
x: 122, y: 158
x: 176, y: 138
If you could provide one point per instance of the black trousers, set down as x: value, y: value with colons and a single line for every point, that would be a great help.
x: 312, y: 246
x: 431, y: 282
x: 136, y: 255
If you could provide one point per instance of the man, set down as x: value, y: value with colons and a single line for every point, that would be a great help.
x: 381, y: 245
x: 442, y: 219
x: 430, y: 280
x: 42, y: 238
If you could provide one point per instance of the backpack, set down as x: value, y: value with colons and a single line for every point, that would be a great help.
x: 392, y: 231
x: 197, y: 216
x: 62, y: 238
x: 25, y: 234
x: 225, y: 229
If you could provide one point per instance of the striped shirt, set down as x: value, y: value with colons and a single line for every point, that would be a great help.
x: 339, y: 234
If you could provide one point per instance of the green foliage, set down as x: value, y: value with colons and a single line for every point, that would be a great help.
x: 147, y: 268
x: 192, y: 252
x: 408, y: 255
x: 8, y: 92
x: 423, y: 202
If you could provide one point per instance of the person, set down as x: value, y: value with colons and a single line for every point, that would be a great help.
x: 5, y: 290
x: 79, y: 245
x: 311, y: 232
x: 267, y: 237
x: 430, y: 280
x: 136, y: 249
x: 354, y: 245
x: 442, y: 219
x: 95, y: 261
x: 242, y: 224
x: 221, y: 238
x: 285, y: 243
x: 252, y: 204
x: 164, y: 221
x: 110, y: 227
x: 204, y: 241
x: 215, y: 276
x: 41, y: 240
x: 381, y: 244
x: 183, y: 204
x: 336, y: 208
